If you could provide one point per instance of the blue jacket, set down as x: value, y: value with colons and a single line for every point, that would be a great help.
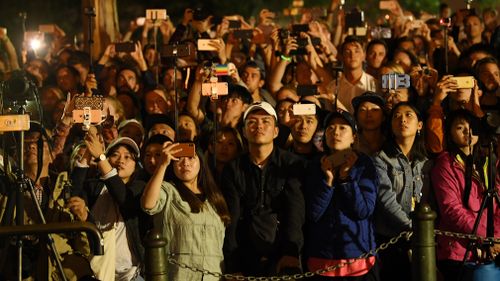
x: 340, y: 217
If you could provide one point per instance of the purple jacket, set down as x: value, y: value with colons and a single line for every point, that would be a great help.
x: 448, y: 180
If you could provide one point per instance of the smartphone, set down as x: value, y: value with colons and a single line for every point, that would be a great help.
x: 307, y: 90
x: 416, y: 24
x: 355, y: 18
x: 47, y: 28
x: 387, y: 5
x: 234, y: 24
x: 125, y: 47
x: 339, y: 157
x: 298, y: 28
x: 265, y: 36
x: 464, y: 82
x: 304, y: 109
x: 88, y: 107
x: 214, y: 89
x: 182, y: 50
x: 156, y: 14
x: 204, y: 44
x: 243, y: 34
x: 187, y: 150
x: 140, y: 21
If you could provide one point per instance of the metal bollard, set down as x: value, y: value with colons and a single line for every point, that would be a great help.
x: 424, y: 245
x: 156, y: 258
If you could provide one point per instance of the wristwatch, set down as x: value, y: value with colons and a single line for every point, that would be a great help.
x: 100, y: 158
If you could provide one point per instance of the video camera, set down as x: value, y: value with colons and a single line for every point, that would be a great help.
x: 19, y: 88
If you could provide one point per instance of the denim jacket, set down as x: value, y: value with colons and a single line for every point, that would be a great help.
x: 401, y: 182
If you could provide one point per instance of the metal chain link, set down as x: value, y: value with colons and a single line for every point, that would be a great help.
x: 392, y: 241
x: 466, y: 236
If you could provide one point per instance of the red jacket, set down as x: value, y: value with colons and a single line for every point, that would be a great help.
x: 448, y: 180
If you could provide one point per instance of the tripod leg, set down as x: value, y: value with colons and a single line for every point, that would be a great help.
x: 50, y: 239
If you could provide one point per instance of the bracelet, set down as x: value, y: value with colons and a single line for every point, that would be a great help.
x: 285, y: 58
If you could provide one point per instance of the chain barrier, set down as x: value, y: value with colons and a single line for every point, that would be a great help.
x: 405, y: 234
x: 467, y: 236
x: 392, y: 241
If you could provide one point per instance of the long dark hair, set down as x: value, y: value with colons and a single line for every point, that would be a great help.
x: 207, y: 185
x: 417, y: 151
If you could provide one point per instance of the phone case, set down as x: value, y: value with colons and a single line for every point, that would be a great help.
x: 465, y: 82
x: 304, y: 109
x: 211, y: 89
x: 187, y: 150
x: 204, y: 45
x: 339, y: 157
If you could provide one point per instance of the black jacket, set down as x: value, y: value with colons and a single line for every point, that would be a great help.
x: 243, y: 184
x: 126, y: 196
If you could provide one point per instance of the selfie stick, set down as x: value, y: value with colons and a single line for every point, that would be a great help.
x: 90, y: 13
x: 155, y: 44
x: 176, y: 108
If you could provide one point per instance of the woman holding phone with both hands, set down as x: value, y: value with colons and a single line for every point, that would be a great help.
x: 193, y: 210
x: 340, y: 196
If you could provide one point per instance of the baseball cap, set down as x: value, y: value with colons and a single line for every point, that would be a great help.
x: 369, y: 97
x: 341, y: 114
x: 133, y: 122
x: 200, y: 14
x: 152, y: 119
x: 268, y: 108
x: 123, y: 141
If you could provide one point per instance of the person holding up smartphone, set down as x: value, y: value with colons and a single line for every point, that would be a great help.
x: 341, y: 192
x: 113, y: 205
x: 448, y: 96
x: 194, y: 212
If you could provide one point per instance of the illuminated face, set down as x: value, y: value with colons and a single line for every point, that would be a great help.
x: 123, y: 160
x: 461, y: 133
x: 376, y: 56
x: 232, y: 109
x: 370, y: 116
x: 132, y: 131
x: 155, y: 103
x: 251, y: 78
x: 304, y: 127
x: 405, y: 123
x: 285, y: 113
x: 404, y: 60
x: 394, y: 97
x: 226, y: 148
x: 260, y: 128
x: 339, y: 135
x: 473, y: 27
x: 152, y: 155
x: 187, y: 128
x: 31, y: 149
x: 489, y: 75
x: 127, y: 80
x: 187, y: 168
x: 353, y: 56
x: 162, y: 129
x: 66, y: 81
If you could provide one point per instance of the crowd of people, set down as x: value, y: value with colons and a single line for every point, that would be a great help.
x: 263, y: 150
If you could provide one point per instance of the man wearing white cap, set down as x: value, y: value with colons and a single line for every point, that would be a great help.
x: 265, y: 200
